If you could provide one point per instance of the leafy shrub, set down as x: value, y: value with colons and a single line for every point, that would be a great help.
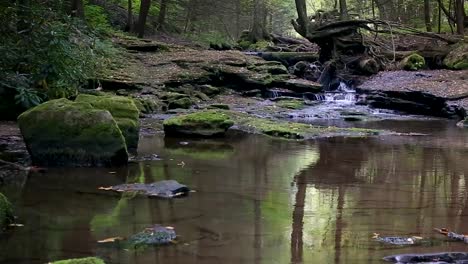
x: 49, y: 55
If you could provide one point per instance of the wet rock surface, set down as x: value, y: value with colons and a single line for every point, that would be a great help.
x: 155, y: 235
x: 433, y: 258
x: 162, y: 189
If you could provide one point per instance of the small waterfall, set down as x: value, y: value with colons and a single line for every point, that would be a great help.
x: 343, y: 94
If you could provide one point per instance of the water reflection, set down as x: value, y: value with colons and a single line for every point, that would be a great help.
x: 258, y: 200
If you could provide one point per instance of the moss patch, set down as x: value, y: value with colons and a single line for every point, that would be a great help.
x: 204, y: 123
x: 6, y: 212
x: 124, y: 111
x: 65, y: 133
x: 457, y: 59
x: 413, y: 62
x: 91, y: 260
x: 291, y: 104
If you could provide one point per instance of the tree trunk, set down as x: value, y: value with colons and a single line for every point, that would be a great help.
x: 77, y: 8
x: 258, y: 31
x: 460, y: 16
x: 130, y: 16
x: 144, y: 9
x: 302, y: 20
x: 162, y: 14
x: 427, y: 15
x: 343, y: 10
x: 238, y: 17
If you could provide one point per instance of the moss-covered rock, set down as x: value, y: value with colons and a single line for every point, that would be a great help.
x: 91, y: 260
x: 65, y: 133
x: 219, y: 106
x: 183, y: 103
x: 413, y: 62
x: 6, y: 212
x: 209, y: 90
x: 148, y: 105
x: 124, y: 111
x: 203, y: 123
x: 291, y: 104
x: 457, y: 59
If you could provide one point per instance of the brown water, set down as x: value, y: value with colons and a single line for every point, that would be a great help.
x: 257, y: 200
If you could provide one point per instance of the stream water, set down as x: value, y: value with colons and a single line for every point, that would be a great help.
x: 257, y: 200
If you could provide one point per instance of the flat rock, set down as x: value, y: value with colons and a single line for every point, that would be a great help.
x: 162, y: 189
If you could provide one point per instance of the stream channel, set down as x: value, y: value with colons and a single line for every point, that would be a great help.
x: 257, y: 199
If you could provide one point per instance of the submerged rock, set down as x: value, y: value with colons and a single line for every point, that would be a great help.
x: 155, y: 235
x: 6, y: 212
x: 91, y: 260
x: 162, y: 189
x: 124, y: 111
x: 457, y: 59
x: 65, y: 133
x: 434, y: 258
x: 204, y: 123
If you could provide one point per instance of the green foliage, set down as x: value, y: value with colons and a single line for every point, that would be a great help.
x: 414, y: 62
x: 52, y: 56
x: 96, y: 18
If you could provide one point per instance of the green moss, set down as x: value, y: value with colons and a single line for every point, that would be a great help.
x: 62, y: 132
x: 202, y: 154
x: 244, y: 44
x: 183, y: 103
x: 414, y: 62
x: 457, y: 59
x: 204, y: 123
x: 91, y: 260
x: 219, y: 106
x: 6, y: 212
x: 261, y: 45
x: 124, y: 111
x: 291, y: 104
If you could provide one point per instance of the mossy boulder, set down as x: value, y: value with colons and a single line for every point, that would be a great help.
x: 457, y: 59
x: 209, y: 90
x: 6, y: 212
x: 413, y: 62
x: 124, y: 111
x: 182, y: 103
x: 91, y: 260
x: 203, y: 123
x: 65, y: 133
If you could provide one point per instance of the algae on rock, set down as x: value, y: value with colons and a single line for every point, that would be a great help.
x: 124, y: 111
x: 90, y: 260
x: 65, y: 133
x: 413, y: 62
x: 203, y: 123
x: 6, y: 212
x: 457, y: 59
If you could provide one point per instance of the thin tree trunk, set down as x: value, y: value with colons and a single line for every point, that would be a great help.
x: 301, y: 8
x: 258, y: 31
x: 343, y: 10
x: 77, y: 8
x: 460, y: 16
x: 144, y: 9
x: 427, y: 15
x: 238, y: 16
x: 130, y: 16
x: 162, y: 14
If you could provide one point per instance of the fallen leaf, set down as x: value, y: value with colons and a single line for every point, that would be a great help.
x: 111, y: 240
x: 112, y: 172
x: 105, y: 188
x: 15, y: 225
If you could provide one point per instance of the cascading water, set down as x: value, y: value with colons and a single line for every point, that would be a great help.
x: 343, y: 94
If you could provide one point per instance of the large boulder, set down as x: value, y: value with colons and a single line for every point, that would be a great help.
x: 204, y: 123
x: 6, y: 212
x: 124, y: 111
x: 457, y: 59
x: 65, y: 133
